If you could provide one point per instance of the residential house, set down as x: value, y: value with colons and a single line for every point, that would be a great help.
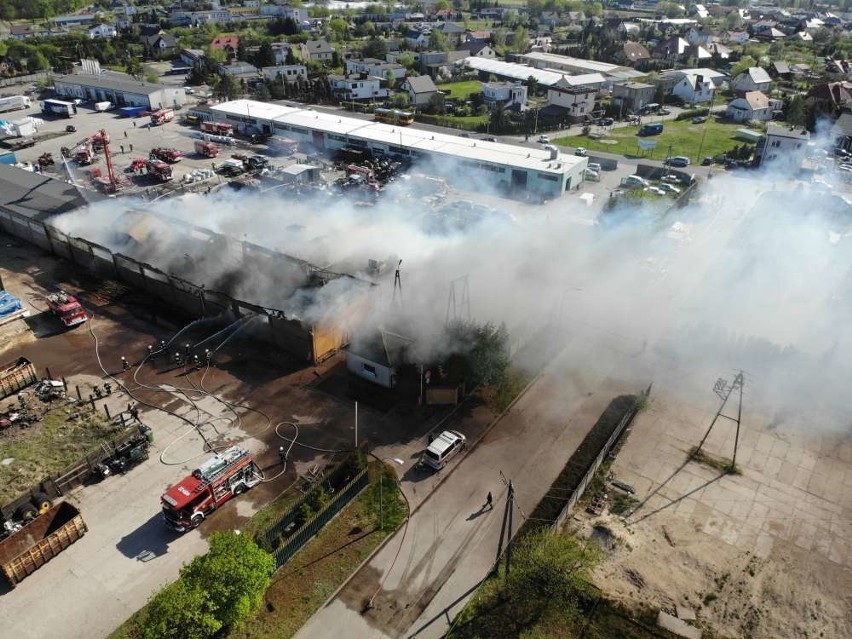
x: 492, y: 13
x: 24, y: 31
x: 375, y: 68
x: 75, y: 20
x: 784, y: 143
x: 831, y: 97
x: 316, y: 51
x: 752, y: 79
x: 699, y: 35
x: 699, y: 11
x: 228, y: 44
x: 698, y: 53
x: 733, y: 37
x: 420, y: 89
x: 719, y: 51
x: 191, y: 57
x: 160, y: 45
x: 800, y: 36
x: 479, y: 49
x: 454, y: 33
x: 632, y: 54
x: 511, y: 95
x: 754, y: 105
x: 575, y: 95
x: 288, y: 73
x: 438, y: 64
x: 239, y: 70
x: 633, y: 95
x: 692, y: 85
x: 105, y: 31
x: 356, y: 87
x: 780, y: 70
x: 416, y: 39
x: 770, y: 35
x: 479, y: 36
x: 671, y: 50
x: 276, y: 10
x: 280, y: 50
x: 841, y: 132
x: 378, y: 356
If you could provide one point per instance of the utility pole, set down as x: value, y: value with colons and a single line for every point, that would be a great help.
x: 506, y: 527
x: 724, y: 390
x: 397, y: 284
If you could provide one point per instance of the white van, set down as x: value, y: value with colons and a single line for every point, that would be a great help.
x: 443, y: 448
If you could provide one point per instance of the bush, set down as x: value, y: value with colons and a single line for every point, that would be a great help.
x: 692, y: 113
x: 215, y: 592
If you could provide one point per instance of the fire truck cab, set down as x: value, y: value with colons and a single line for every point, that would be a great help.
x: 223, y: 476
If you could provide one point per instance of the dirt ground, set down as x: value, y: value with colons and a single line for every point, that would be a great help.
x: 764, y: 554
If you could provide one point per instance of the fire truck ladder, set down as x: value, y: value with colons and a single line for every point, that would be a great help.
x: 217, y: 466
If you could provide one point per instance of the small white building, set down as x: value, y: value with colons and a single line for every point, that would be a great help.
x: 752, y: 79
x: 356, y: 87
x: 420, y: 89
x: 509, y: 94
x: 286, y: 72
x: 754, y: 105
x: 105, y: 31
x: 783, y: 143
x: 694, y: 85
x: 576, y: 94
x: 377, y: 357
x: 375, y: 68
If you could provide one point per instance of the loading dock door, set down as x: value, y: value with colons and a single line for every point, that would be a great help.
x: 519, y: 179
x: 319, y: 139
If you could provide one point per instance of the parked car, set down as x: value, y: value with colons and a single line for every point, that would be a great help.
x: 650, y: 129
x: 633, y: 119
x: 543, y: 139
x: 669, y: 188
x: 701, y: 119
x: 443, y: 448
x: 679, y: 161
x: 707, y: 161
x: 580, y: 151
x: 592, y: 176
x: 595, y: 166
x: 671, y: 178
x: 656, y: 190
x: 636, y: 181
x: 71, y: 129
x: 490, y: 138
x: 189, y: 91
x: 664, y: 112
x: 606, y: 122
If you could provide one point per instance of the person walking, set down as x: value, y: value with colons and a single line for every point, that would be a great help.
x: 489, y: 501
x: 125, y: 133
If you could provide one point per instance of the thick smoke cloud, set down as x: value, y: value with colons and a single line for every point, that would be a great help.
x: 753, y: 274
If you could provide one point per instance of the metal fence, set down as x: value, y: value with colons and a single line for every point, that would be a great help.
x: 311, y: 527
x: 593, y: 467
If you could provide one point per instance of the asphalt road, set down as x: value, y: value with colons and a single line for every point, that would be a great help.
x: 424, y: 575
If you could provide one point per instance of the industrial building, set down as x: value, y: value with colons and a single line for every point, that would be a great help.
x: 120, y: 89
x: 468, y: 163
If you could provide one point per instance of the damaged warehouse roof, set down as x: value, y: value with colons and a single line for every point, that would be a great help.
x: 35, y: 195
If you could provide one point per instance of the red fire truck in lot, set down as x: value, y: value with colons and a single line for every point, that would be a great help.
x: 167, y: 155
x: 159, y: 170
x: 66, y: 306
x: 207, y: 149
x: 162, y: 116
x: 223, y: 476
x: 217, y: 128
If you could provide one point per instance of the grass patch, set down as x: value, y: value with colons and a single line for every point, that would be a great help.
x: 621, y: 503
x: 683, y: 137
x: 49, y: 446
x: 309, y: 579
x: 461, y: 90
x: 513, y: 383
x: 722, y: 464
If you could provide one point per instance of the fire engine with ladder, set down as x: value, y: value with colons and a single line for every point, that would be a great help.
x: 84, y: 153
x: 223, y: 476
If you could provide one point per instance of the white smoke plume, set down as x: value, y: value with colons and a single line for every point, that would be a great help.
x: 753, y: 274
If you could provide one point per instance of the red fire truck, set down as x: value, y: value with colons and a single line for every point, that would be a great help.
x: 217, y: 128
x: 223, y: 476
x: 162, y: 116
x: 167, y: 155
x: 159, y: 170
x: 66, y: 306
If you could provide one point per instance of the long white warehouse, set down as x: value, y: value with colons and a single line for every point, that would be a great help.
x: 471, y: 164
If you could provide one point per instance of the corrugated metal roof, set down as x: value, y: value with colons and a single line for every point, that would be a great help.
x: 113, y: 82
x: 512, y: 70
x: 35, y: 195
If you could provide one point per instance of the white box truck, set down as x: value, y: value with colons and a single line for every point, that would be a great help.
x: 100, y: 107
x: 14, y: 102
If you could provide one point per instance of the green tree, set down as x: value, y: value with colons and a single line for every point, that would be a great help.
x: 178, y: 611
x: 438, y: 41
x: 376, y: 48
x: 406, y: 60
x: 745, y: 62
x: 521, y: 40
x: 390, y: 78
x: 338, y: 27
x: 795, y: 111
x: 235, y: 574
x: 265, y: 56
x: 228, y: 87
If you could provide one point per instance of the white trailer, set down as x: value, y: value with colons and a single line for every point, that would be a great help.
x: 103, y: 106
x: 14, y: 102
x: 24, y: 128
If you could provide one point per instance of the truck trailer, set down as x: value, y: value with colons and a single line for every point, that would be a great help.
x: 40, y: 540
x: 132, y: 111
x: 14, y: 102
x: 59, y: 107
x: 101, y: 107
x: 220, y: 478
